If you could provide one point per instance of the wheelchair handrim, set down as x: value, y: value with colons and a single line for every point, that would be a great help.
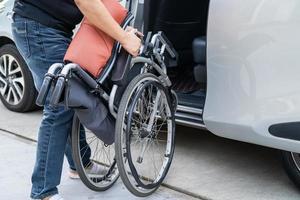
x: 166, y: 163
x: 122, y: 159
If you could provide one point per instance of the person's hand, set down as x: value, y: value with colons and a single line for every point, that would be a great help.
x: 138, y: 33
x: 131, y: 42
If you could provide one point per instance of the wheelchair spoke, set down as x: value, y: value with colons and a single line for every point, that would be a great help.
x: 147, y: 136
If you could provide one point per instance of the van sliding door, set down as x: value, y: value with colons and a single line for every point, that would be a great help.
x: 253, y: 92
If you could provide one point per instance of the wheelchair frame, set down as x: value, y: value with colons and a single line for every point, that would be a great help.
x: 152, y: 55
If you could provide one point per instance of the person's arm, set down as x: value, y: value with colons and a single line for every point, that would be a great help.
x: 99, y: 16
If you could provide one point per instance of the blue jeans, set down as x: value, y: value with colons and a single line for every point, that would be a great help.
x: 41, y: 46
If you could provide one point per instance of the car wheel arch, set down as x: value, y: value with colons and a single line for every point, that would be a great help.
x: 5, y: 40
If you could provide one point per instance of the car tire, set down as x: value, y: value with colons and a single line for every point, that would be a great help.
x: 17, y: 90
x: 291, y: 164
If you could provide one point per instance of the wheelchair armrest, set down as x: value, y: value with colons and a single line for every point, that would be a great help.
x: 121, y: 68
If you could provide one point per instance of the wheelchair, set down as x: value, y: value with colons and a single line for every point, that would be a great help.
x: 136, y: 92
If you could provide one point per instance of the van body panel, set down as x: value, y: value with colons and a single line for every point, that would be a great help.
x: 5, y: 27
x: 253, y: 52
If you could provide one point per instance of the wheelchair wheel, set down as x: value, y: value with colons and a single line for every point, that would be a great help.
x: 99, y: 172
x: 145, y: 133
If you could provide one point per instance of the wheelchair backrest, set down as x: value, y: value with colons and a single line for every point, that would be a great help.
x: 115, y: 55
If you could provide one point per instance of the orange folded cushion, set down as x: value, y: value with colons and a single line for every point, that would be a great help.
x: 91, y: 48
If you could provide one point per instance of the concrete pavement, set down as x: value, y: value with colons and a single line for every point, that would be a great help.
x: 17, y: 159
x: 206, y: 166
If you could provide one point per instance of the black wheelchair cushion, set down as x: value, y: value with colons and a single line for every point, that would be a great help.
x: 199, y: 50
x: 121, y: 68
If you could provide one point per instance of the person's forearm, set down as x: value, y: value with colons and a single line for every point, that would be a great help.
x: 99, y: 16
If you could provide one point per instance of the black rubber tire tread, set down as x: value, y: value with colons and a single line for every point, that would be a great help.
x: 119, y: 153
x: 27, y: 104
x: 290, y: 167
x: 77, y: 159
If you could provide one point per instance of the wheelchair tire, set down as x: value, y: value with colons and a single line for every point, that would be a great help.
x: 132, y: 165
x: 95, y: 182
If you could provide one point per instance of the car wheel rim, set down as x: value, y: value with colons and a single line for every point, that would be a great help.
x: 12, y: 84
x: 296, y: 159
